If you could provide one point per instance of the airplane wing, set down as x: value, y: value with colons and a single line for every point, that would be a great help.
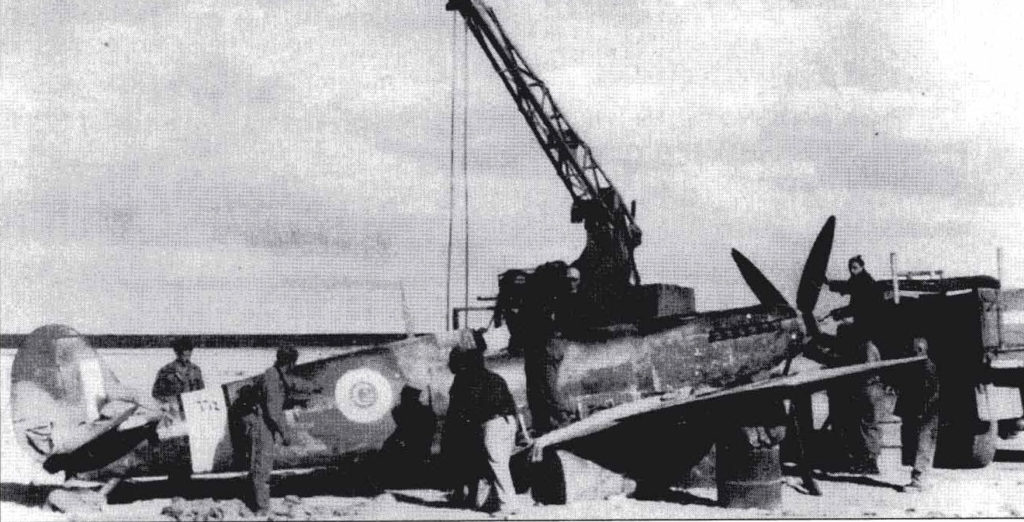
x: 677, y: 404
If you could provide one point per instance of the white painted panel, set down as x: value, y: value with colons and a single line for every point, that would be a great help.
x: 207, y: 416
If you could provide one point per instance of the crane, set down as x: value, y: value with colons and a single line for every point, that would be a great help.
x: 607, y: 262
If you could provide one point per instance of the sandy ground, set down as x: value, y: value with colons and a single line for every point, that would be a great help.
x: 991, y: 492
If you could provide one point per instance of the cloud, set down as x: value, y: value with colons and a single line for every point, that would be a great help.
x: 242, y: 166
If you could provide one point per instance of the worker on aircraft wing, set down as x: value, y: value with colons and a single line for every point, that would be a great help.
x: 568, y: 308
x: 541, y: 321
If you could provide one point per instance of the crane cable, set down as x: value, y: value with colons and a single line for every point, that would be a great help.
x: 465, y: 156
x: 451, y: 187
x: 465, y: 168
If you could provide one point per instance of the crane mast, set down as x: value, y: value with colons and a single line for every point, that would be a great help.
x: 611, y: 227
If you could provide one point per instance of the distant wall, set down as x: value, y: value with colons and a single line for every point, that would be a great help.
x: 225, y: 340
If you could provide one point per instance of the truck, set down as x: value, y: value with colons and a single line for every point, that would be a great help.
x: 980, y: 381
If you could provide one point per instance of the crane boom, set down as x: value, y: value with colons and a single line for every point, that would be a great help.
x: 595, y: 200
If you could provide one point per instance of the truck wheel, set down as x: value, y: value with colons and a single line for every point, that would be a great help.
x: 983, y: 451
x: 966, y: 448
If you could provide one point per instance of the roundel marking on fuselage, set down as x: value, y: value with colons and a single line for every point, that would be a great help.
x: 363, y: 395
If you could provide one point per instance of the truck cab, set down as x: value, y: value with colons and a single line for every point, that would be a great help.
x: 980, y: 385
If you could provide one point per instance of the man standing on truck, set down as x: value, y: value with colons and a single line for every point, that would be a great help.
x: 866, y: 300
x: 918, y: 408
x: 855, y: 409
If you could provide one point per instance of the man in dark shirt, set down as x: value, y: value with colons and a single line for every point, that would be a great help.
x: 866, y: 300
x: 568, y: 308
x: 178, y: 376
x: 480, y: 429
x: 550, y: 311
x: 260, y: 409
x: 406, y: 451
x: 857, y: 408
x: 175, y: 378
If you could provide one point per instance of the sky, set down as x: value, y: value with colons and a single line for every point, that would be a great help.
x: 284, y: 167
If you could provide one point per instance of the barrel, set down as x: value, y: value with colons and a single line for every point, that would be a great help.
x: 748, y: 477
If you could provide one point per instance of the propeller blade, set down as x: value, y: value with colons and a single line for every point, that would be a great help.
x: 766, y: 293
x: 811, y: 323
x: 813, y: 275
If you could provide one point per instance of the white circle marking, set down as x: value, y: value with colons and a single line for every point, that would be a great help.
x: 363, y: 395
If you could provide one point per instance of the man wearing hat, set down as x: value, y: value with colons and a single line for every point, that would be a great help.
x: 259, y: 410
x: 178, y: 376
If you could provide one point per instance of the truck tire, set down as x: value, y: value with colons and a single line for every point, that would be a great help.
x: 983, y: 450
x: 970, y: 447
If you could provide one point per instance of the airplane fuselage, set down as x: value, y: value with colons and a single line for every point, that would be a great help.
x: 352, y: 418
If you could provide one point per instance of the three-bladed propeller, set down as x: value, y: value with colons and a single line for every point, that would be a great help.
x: 811, y: 280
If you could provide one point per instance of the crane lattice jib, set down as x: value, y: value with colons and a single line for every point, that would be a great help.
x: 570, y: 155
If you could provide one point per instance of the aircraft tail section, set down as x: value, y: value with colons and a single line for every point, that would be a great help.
x: 64, y: 399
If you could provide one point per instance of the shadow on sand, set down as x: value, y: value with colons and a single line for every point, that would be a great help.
x: 413, y: 499
x: 308, y: 484
x: 303, y: 484
x: 857, y: 479
x: 25, y: 494
x: 679, y: 497
x: 1009, y: 456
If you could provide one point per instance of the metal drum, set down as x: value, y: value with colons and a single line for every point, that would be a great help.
x: 748, y: 477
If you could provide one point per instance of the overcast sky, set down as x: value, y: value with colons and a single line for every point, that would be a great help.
x: 263, y: 166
